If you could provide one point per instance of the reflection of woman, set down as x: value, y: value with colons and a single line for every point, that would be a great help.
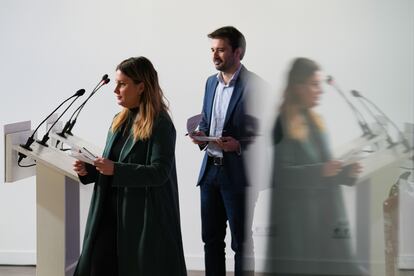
x: 133, y: 225
x: 307, y: 208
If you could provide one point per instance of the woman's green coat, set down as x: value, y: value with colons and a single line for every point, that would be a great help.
x: 148, y: 222
x: 307, y: 210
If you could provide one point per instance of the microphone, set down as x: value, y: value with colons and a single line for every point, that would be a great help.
x: 30, y: 140
x: 67, y: 129
x: 362, y: 100
x: 366, y: 130
x: 46, y: 136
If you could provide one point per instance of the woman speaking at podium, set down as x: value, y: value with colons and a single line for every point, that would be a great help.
x: 133, y: 226
x: 307, y: 207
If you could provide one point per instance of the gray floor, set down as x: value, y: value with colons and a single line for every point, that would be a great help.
x: 31, y: 271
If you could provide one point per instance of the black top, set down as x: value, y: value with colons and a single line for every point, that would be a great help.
x: 122, y: 136
x: 110, y: 213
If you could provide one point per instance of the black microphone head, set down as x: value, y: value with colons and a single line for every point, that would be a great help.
x: 80, y: 92
x: 105, y: 77
x: 355, y: 93
x: 329, y: 80
x: 107, y: 80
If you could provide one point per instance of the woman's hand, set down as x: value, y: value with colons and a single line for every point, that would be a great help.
x: 355, y: 170
x: 80, y: 168
x: 331, y: 168
x: 104, y: 166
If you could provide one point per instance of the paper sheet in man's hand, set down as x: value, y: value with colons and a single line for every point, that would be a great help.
x: 193, y: 122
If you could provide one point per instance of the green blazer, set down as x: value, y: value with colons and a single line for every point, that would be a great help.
x: 307, y: 210
x: 148, y: 222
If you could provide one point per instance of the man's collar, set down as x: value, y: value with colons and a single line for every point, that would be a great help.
x: 233, y: 77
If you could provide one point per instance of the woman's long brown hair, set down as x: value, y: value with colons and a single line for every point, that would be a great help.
x: 302, y: 69
x: 152, y: 100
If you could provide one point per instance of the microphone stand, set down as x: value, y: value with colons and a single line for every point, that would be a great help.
x: 404, y: 140
x: 67, y: 129
x: 46, y: 136
x: 30, y: 140
x: 366, y: 131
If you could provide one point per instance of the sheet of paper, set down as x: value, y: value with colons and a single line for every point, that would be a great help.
x: 82, y: 157
x: 193, y: 122
x: 88, y: 153
x: 205, y: 138
x: 192, y: 125
x: 354, y: 156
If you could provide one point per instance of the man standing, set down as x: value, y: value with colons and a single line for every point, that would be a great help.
x: 223, y: 178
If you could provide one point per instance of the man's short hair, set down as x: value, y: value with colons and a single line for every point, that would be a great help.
x: 234, y: 36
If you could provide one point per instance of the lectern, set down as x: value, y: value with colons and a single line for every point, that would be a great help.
x: 375, y: 235
x: 57, y: 198
x: 362, y: 229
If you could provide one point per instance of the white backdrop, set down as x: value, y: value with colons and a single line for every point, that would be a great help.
x: 49, y: 49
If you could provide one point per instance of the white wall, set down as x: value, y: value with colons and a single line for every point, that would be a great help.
x: 49, y: 49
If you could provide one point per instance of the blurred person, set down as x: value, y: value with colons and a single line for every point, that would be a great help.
x: 307, y: 211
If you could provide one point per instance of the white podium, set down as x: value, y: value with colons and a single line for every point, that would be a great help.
x: 367, y: 233
x: 57, y: 200
x: 381, y: 169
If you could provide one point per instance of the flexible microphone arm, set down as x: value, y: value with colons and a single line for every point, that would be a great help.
x: 103, y: 81
x: 67, y: 129
x: 30, y: 140
x: 361, y: 98
x: 366, y: 131
x: 46, y: 136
